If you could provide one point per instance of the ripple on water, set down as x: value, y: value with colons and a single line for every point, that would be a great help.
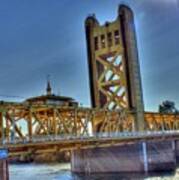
x: 62, y: 172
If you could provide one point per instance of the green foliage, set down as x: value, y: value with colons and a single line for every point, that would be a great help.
x: 168, y: 107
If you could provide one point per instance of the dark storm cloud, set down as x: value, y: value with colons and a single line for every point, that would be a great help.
x: 47, y: 37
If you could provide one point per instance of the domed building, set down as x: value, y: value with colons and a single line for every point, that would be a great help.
x: 51, y: 99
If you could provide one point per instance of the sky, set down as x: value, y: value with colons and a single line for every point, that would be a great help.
x: 41, y: 37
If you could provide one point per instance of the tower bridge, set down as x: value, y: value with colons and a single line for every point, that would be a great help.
x: 40, y: 120
x: 113, y: 128
x: 54, y: 128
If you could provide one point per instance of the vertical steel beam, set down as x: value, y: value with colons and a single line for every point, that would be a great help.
x: 1, y: 128
x: 30, y: 124
x: 132, y: 61
x: 55, y: 128
x: 13, y: 131
x: 90, y: 23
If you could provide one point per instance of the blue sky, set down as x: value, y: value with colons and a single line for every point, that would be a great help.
x: 41, y: 37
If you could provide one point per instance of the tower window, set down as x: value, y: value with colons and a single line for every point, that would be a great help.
x: 109, y: 35
x: 116, y: 37
x: 103, y: 41
x: 96, y: 43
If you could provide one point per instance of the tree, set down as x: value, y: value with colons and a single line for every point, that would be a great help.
x: 168, y: 107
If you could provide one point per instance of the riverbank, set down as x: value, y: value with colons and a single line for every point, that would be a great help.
x: 60, y: 157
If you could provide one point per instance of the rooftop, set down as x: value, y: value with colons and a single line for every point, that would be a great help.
x: 50, y: 98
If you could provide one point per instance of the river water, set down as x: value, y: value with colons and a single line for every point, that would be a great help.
x: 62, y: 172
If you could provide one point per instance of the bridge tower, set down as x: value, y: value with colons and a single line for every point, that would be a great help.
x: 114, y: 71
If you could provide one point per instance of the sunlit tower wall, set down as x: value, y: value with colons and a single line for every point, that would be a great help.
x: 114, y: 71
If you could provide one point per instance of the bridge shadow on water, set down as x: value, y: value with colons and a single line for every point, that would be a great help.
x: 121, y: 176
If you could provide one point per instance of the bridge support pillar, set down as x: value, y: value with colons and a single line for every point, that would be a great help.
x: 4, y: 170
x: 176, y: 145
x: 134, y: 157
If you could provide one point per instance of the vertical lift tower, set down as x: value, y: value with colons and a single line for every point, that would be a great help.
x: 114, y: 71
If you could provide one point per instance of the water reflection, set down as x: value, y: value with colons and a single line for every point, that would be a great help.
x: 62, y: 172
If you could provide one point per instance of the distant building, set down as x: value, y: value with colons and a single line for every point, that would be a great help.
x: 51, y: 99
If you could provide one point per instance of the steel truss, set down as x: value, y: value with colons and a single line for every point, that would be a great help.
x: 111, y: 81
x: 19, y: 121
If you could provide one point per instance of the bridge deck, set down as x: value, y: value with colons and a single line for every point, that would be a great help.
x: 44, y: 144
x: 23, y: 127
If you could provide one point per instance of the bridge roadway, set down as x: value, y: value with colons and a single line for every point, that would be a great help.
x: 50, y: 144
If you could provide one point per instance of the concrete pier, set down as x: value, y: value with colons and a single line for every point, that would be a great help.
x: 161, y: 156
x: 4, y: 170
x: 177, y: 150
x: 134, y: 157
